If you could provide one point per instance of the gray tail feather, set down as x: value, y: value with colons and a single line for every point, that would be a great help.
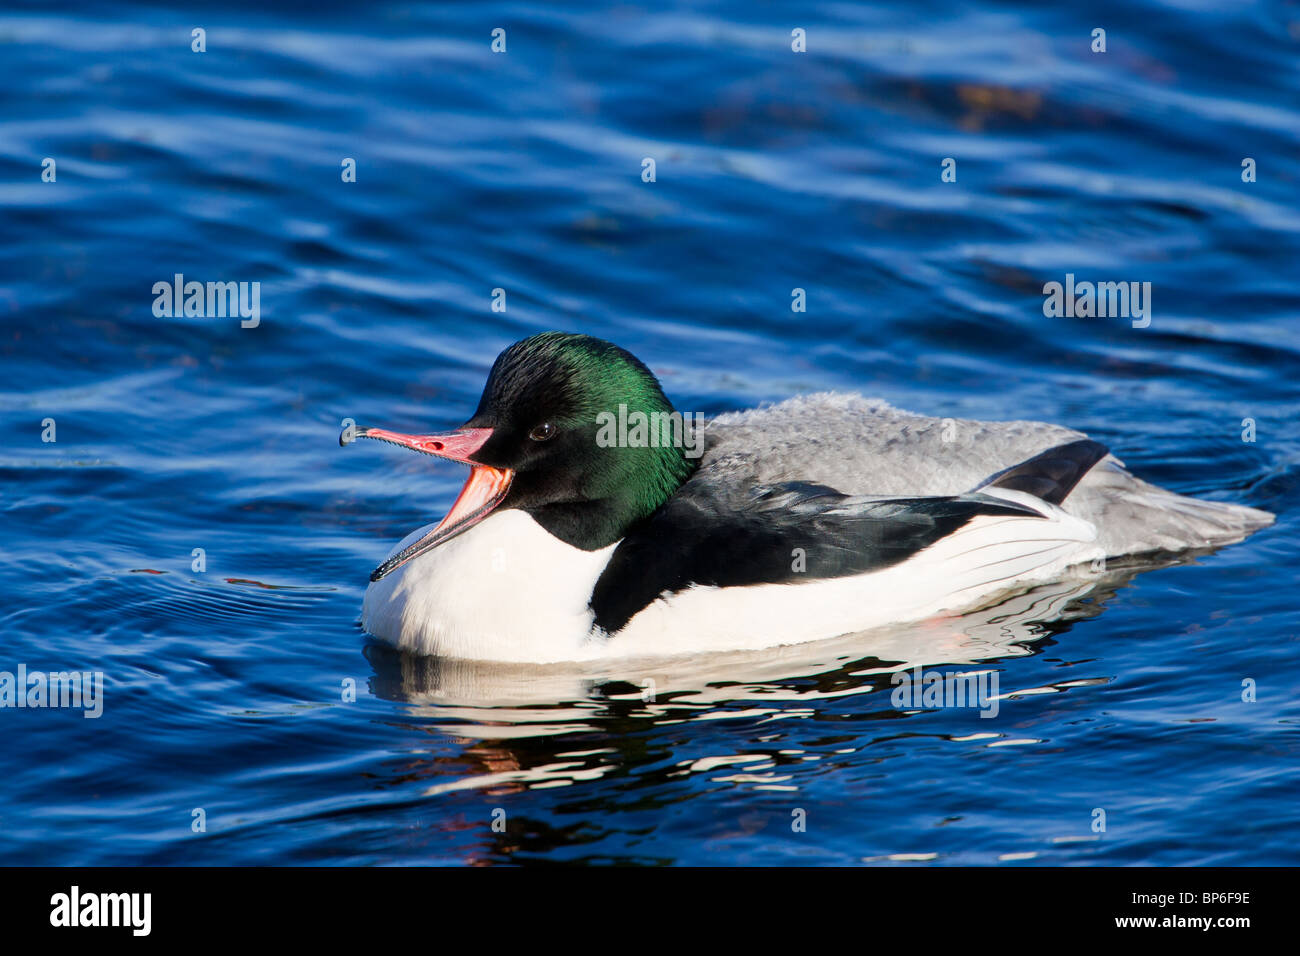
x: 1133, y: 516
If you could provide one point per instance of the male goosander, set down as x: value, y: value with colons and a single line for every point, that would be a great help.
x: 817, y: 517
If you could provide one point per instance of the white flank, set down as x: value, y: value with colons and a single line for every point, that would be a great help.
x: 507, y: 590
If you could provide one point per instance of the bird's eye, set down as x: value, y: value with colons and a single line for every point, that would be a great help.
x: 542, y: 432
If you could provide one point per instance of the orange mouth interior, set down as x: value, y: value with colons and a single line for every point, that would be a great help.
x: 483, y: 491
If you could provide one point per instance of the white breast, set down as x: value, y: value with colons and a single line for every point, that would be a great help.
x: 506, y: 590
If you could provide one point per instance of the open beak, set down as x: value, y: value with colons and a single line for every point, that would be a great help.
x: 485, y: 489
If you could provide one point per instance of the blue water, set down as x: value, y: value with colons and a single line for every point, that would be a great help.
x: 226, y: 687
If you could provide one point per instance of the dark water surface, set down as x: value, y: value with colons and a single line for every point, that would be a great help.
x: 522, y: 171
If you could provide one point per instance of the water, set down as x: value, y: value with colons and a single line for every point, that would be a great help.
x: 775, y: 170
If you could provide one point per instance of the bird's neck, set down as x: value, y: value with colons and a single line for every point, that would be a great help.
x: 635, y: 491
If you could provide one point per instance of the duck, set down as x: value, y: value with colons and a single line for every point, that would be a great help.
x: 599, y: 522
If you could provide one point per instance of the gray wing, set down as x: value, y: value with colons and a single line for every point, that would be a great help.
x: 862, y: 446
